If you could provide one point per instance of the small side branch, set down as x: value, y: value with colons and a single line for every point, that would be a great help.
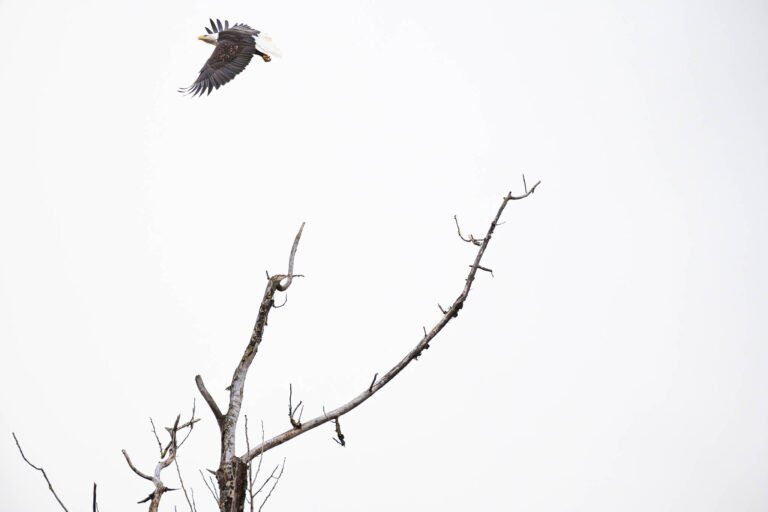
x: 295, y: 422
x: 159, y: 444
x: 211, y: 487
x: 276, y: 481
x: 190, y: 502
x: 471, y: 238
x: 485, y: 269
x: 209, y: 399
x: 289, y: 278
x: 339, y: 436
x: 134, y: 468
x: 40, y: 469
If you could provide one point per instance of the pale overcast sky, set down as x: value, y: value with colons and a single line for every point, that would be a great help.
x: 616, y: 360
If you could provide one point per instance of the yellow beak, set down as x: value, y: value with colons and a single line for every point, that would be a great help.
x: 201, y: 38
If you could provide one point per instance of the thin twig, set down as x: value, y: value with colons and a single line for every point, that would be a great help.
x: 284, y: 302
x: 213, y: 493
x: 277, y: 480
x: 485, y: 269
x: 183, y: 487
x: 159, y: 444
x: 190, y: 423
x: 265, y: 482
x: 339, y: 436
x: 249, y: 484
x: 40, y: 469
x: 471, y: 238
x: 292, y: 410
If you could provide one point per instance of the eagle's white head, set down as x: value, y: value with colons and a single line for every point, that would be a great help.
x: 210, y: 38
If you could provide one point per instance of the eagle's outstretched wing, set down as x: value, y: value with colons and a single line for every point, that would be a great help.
x: 235, y: 49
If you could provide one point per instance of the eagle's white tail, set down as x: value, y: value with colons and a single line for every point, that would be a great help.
x: 265, y: 45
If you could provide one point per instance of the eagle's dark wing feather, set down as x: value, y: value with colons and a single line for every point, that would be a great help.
x: 216, y: 26
x: 229, y: 58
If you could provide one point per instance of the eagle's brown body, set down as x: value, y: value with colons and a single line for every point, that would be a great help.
x: 235, y: 47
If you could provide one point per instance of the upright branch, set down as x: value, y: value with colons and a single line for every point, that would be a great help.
x: 232, y: 472
x: 296, y: 423
x: 45, y: 475
x: 448, y: 315
x: 167, y: 457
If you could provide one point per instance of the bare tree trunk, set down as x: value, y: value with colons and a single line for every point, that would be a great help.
x: 232, y: 474
x: 233, y: 479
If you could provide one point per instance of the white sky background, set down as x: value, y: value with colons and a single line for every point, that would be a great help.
x: 616, y: 361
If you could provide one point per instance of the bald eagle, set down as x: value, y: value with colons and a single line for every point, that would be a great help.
x: 235, y: 47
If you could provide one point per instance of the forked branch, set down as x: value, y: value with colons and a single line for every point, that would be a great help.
x: 168, y: 456
x: 448, y: 314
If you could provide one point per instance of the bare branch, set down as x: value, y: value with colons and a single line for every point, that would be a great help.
x: 189, y: 432
x: 277, y: 480
x: 249, y: 483
x: 169, y: 453
x: 339, y: 436
x: 449, y: 314
x: 183, y: 487
x: 290, y: 276
x: 296, y: 423
x: 209, y: 399
x: 95, y: 503
x: 510, y: 197
x: 261, y: 457
x: 159, y: 444
x: 210, y: 487
x: 485, y: 269
x: 265, y: 482
x: 40, y: 469
x: 284, y: 302
x: 134, y: 468
x: 471, y: 238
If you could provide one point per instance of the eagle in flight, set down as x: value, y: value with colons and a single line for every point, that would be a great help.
x: 235, y: 47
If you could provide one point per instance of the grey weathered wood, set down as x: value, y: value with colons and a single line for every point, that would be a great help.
x: 449, y: 314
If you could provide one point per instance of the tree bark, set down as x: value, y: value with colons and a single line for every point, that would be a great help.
x: 233, y: 483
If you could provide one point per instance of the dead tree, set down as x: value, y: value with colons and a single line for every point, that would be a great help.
x: 234, y: 477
